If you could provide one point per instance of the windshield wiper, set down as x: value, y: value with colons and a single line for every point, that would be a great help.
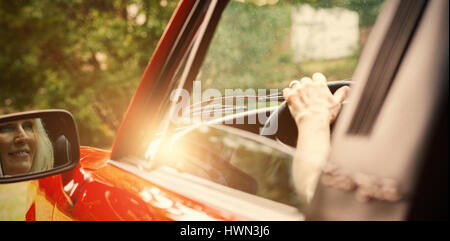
x: 205, y: 107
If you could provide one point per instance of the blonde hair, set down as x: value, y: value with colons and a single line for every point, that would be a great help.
x: 43, y: 159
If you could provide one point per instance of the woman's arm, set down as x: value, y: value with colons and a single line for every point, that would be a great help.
x: 314, y: 108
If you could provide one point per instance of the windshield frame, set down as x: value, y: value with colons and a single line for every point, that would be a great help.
x: 145, y: 114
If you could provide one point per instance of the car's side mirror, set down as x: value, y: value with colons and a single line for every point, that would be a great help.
x: 37, y: 144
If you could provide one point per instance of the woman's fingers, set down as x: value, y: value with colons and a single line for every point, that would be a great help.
x: 319, y: 77
x: 312, y: 95
x: 341, y: 94
x: 305, y: 80
x: 292, y: 97
x: 293, y: 83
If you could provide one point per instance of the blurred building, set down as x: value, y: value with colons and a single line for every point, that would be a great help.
x: 324, y: 33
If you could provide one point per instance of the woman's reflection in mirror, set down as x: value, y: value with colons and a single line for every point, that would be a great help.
x: 24, y: 147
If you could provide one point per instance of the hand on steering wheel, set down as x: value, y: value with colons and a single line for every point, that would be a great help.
x: 286, y: 125
x: 309, y: 97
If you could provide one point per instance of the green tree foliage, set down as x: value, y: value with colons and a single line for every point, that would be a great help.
x: 86, y: 56
x: 242, y: 54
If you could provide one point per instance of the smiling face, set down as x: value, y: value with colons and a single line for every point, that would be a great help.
x: 17, y: 146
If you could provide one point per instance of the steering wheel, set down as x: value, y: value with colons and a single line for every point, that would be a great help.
x: 281, y: 118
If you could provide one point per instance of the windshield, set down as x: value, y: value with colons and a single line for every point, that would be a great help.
x: 260, y: 46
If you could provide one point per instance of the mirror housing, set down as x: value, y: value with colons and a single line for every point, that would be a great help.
x: 37, y: 144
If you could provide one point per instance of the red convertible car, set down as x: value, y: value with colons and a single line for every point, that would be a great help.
x: 389, y: 145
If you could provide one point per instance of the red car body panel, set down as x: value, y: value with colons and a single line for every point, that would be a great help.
x: 99, y: 190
